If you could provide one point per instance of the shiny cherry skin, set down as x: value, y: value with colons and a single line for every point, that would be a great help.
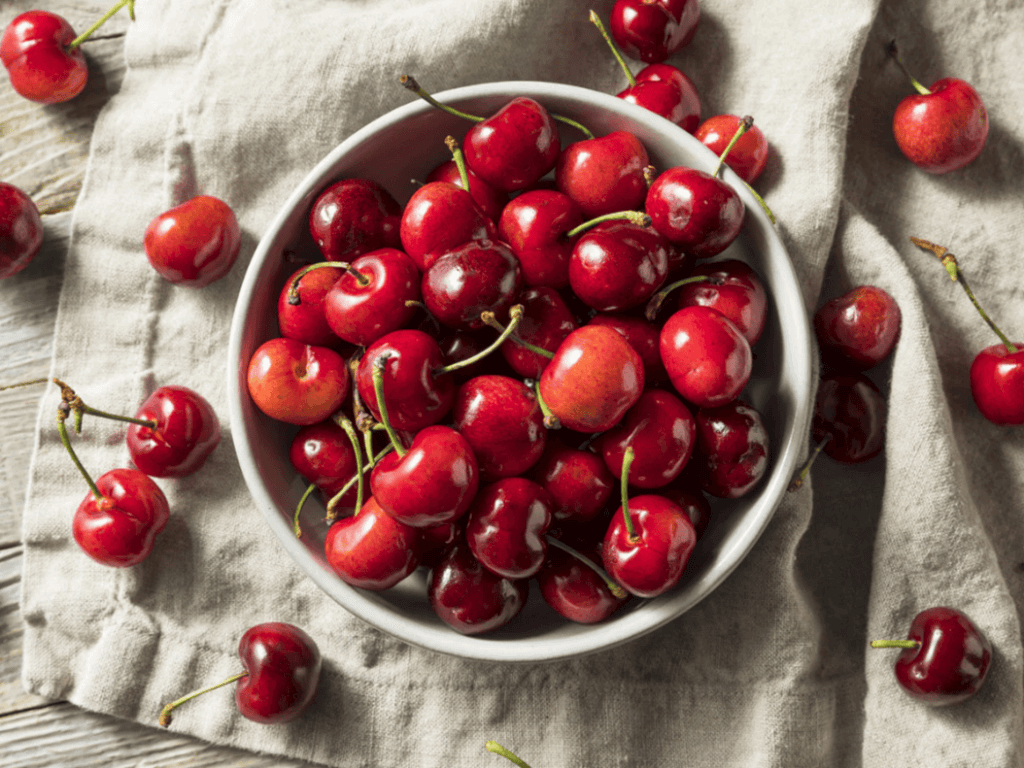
x: 297, y: 383
x: 491, y: 200
x: 195, y: 243
x: 618, y: 265
x: 693, y: 503
x: 748, y: 156
x: 604, y: 174
x: 575, y: 590
x: 433, y: 483
x: 643, y: 336
x: 534, y: 225
x: 372, y: 550
x: 662, y: 433
x: 695, y: 210
x: 283, y: 670
x: 34, y: 49
x: 707, y: 358
x: 733, y: 448
x: 361, y: 312
x: 997, y: 384
x: 478, y: 276
x: 471, y: 599
x: 545, y: 323
x: 305, y: 321
x: 850, y: 412
x: 666, y: 91
x: 514, y: 147
x: 593, y: 379
x: 21, y: 230
x: 737, y: 292
x: 120, y: 528
x: 186, y: 432
x: 415, y: 395
x: 859, y: 329
x: 654, y: 561
x: 440, y: 217
x: 579, y: 481
x: 323, y: 454
x: 506, y: 526
x: 944, y: 130
x: 652, y: 30
x: 502, y: 420
x: 951, y: 662
x: 352, y: 217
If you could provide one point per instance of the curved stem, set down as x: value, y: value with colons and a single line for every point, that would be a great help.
x: 654, y: 305
x: 894, y: 54
x: 573, y: 123
x: 332, y: 505
x: 895, y: 644
x: 460, y: 162
x: 378, y: 390
x: 596, y: 21
x: 342, y: 421
x: 627, y: 462
x: 293, y: 290
x: 639, y: 218
x: 103, y: 20
x: 614, y: 588
x: 78, y: 407
x: 409, y: 82
x: 744, y: 126
x: 492, y: 321
x: 761, y: 202
x: 496, y: 748
x: 550, y: 420
x: 165, y: 713
x: 798, y: 479
x: 296, y: 529
x: 515, y: 315
x: 957, y: 275
x: 62, y: 430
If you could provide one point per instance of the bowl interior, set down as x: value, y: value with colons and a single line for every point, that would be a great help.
x: 398, y: 150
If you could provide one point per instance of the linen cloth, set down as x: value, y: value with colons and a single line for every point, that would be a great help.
x: 240, y: 98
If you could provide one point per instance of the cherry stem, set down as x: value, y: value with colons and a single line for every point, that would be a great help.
x: 894, y: 54
x: 650, y: 174
x: 957, y: 275
x: 103, y: 20
x: 627, y: 462
x: 492, y: 321
x: 332, y: 505
x: 596, y: 20
x: 639, y: 218
x: 614, y: 588
x: 62, y: 413
x: 293, y: 292
x: 79, y: 408
x: 378, y: 390
x: 364, y: 420
x: 654, y: 305
x: 550, y: 420
x: 165, y: 713
x: 515, y: 315
x: 745, y: 125
x: 460, y: 160
x: 296, y: 529
x: 895, y: 644
x: 798, y: 479
x: 761, y: 202
x: 496, y: 748
x: 25, y: 384
x: 342, y: 421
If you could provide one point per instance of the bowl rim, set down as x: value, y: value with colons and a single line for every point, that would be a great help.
x: 598, y: 637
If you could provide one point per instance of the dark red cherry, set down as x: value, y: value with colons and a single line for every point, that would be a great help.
x: 733, y: 448
x: 352, y: 217
x: 283, y: 669
x: 850, y: 413
x: 371, y: 549
x: 618, y: 265
x: 695, y: 210
x: 604, y: 174
x: 858, y: 329
x: 535, y: 224
x: 748, y: 156
x: 21, y: 230
x: 707, y: 359
x: 514, y: 147
x: 575, y: 590
x: 545, y: 323
x: 735, y: 290
x: 185, y: 432
x: 478, y: 276
x: 578, y: 481
x: 506, y: 526
x: 693, y: 503
x: 652, y: 30
x: 323, y: 454
x: 471, y: 599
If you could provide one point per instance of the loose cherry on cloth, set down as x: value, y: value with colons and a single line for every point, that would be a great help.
x: 184, y: 433
x: 859, y: 329
x: 849, y: 416
x: 195, y: 243
x: 945, y: 658
x: 282, y: 670
x: 21, y: 230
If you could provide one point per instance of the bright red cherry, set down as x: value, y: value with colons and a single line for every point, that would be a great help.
x: 21, y: 230
x: 604, y: 174
x: 643, y: 336
x: 352, y: 217
x: 194, y: 243
x: 297, y: 383
x: 185, y: 432
x: 733, y: 448
x: 371, y: 549
x: 748, y: 156
x: 652, y: 30
x: 735, y: 290
x: 997, y: 383
x: 34, y: 49
x: 304, y: 321
x: 849, y: 412
x: 535, y: 225
x: 945, y: 658
x: 666, y: 91
x: 695, y: 210
x: 506, y: 526
x: 491, y: 200
x: 707, y: 358
x: 120, y: 527
x: 858, y: 329
x: 471, y: 599
x: 618, y: 265
x: 440, y: 217
x: 579, y: 482
x: 515, y: 146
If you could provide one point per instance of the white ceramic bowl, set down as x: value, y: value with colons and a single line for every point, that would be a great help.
x: 402, y: 146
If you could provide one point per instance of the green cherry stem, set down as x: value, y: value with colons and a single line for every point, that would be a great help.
x: 342, y: 421
x: 627, y: 462
x: 165, y: 714
x: 596, y: 21
x: 378, y: 390
x: 895, y: 644
x: 492, y: 321
x: 103, y: 20
x: 296, y: 528
x: 639, y: 218
x: 798, y: 480
x: 293, y: 290
x: 332, y: 505
x: 459, y: 159
x: 515, y: 315
x: 62, y: 429
x: 550, y: 420
x: 957, y: 275
x: 79, y: 408
x: 745, y: 125
x: 654, y: 305
x: 894, y: 54
x: 496, y: 748
x: 614, y: 588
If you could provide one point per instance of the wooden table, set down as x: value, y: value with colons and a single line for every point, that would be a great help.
x: 43, y: 151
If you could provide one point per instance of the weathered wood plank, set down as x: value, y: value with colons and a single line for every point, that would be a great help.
x: 13, y: 697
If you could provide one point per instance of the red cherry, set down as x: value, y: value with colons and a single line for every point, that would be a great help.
x: 618, y: 265
x: 305, y: 321
x: 604, y: 174
x: 849, y: 412
x: 666, y: 91
x: 997, y: 384
x: 471, y: 599
x: 706, y: 356
x: 34, y: 49
x: 748, y: 156
x: 652, y: 30
x: 534, y: 225
x: 545, y: 323
x: 352, y: 217
x: 733, y: 447
x: 21, y: 230
x: 371, y: 549
x: 735, y: 290
x: 297, y: 383
x: 593, y: 379
x: 119, y: 528
x: 644, y: 337
x: 194, y: 243
x: 695, y: 210
x: 575, y: 590
x: 506, y: 526
x: 693, y: 503
x: 945, y: 659
x: 440, y: 217
x: 944, y: 129
x: 858, y: 329
x: 515, y: 146
x: 283, y: 669
x: 478, y: 276
x: 578, y: 481
x: 323, y: 454
x: 186, y: 432
x: 491, y: 200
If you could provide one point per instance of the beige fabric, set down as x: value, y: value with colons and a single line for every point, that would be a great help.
x: 240, y: 98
